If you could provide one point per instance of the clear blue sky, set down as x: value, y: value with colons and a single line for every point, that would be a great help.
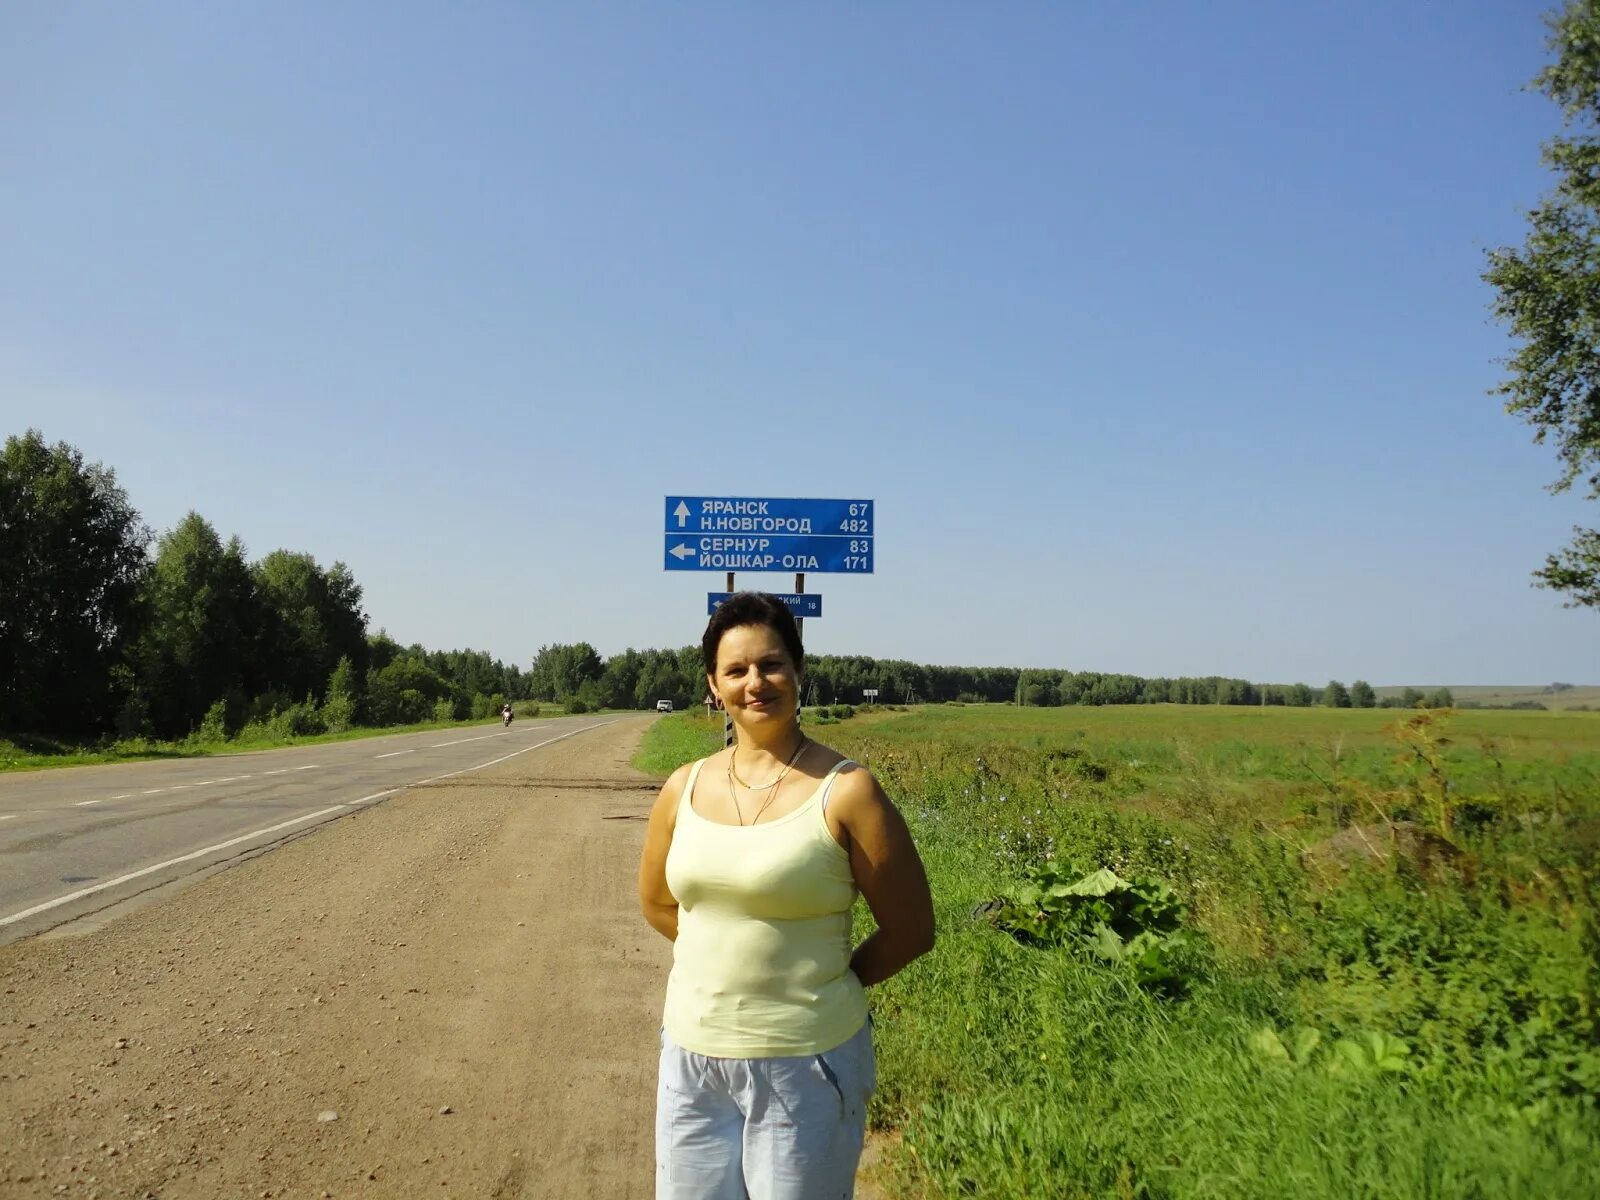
x: 1155, y: 330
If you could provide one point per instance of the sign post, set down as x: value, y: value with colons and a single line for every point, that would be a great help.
x: 745, y: 533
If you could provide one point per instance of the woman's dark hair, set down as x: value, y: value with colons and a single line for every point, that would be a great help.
x: 752, y: 608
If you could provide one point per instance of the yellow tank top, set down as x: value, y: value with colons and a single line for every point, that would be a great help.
x: 761, y: 964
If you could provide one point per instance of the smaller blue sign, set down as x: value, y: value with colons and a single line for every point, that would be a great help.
x: 801, y: 604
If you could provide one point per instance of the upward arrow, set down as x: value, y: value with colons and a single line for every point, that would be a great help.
x: 681, y: 512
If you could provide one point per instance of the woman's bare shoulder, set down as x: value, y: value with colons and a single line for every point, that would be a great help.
x: 821, y: 758
x: 666, y: 805
x: 854, y: 783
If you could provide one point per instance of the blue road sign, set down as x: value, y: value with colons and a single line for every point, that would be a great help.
x: 801, y: 604
x: 759, y: 552
x: 795, y: 518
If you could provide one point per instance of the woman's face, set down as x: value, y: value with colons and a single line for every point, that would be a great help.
x: 755, y: 676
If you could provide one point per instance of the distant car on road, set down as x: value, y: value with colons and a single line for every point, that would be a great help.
x: 663, y: 705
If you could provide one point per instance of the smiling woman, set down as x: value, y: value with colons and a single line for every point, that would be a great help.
x: 752, y: 862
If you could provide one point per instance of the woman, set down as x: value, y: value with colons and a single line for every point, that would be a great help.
x: 751, y: 865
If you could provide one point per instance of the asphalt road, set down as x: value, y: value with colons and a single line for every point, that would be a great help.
x: 85, y: 840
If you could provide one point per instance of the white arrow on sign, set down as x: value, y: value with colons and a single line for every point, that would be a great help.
x: 681, y: 512
x: 682, y: 552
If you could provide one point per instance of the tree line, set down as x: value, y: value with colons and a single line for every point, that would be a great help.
x: 106, y: 629
x: 576, y: 675
x: 1091, y: 687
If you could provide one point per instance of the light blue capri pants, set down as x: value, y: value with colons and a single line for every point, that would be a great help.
x: 762, y: 1128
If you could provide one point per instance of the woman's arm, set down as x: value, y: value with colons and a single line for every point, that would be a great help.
x: 889, y: 873
x: 656, y: 900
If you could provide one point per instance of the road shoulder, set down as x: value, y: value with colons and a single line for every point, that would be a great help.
x: 460, y: 974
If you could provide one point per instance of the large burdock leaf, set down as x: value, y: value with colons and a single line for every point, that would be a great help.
x: 1370, y: 1054
x: 1100, y: 883
x: 1105, y: 942
x: 1297, y: 1049
x: 1389, y: 1053
x: 1350, y: 1057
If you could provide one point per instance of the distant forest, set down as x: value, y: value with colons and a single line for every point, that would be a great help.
x: 109, y: 631
x: 576, y: 673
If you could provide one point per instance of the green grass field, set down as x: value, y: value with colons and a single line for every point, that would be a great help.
x: 1423, y: 1027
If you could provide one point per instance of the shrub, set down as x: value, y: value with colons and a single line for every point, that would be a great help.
x: 345, y: 684
x: 264, y: 707
x: 133, y: 718
x: 213, y: 726
x: 411, y: 707
x: 444, y: 709
x: 255, y: 731
x: 298, y: 720
x: 338, y: 713
x: 576, y: 705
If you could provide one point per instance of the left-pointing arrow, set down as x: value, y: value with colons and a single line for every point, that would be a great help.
x: 682, y: 552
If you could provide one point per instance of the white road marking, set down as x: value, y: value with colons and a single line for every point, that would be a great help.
x: 312, y: 767
x: 392, y: 753
x: 514, y: 753
x: 245, y: 837
x: 279, y: 771
x: 459, y: 741
x: 8, y: 816
x: 153, y: 791
x: 202, y: 783
x: 86, y: 803
x: 171, y: 862
x: 124, y: 796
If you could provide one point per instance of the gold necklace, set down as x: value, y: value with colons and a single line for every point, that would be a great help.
x: 772, y: 794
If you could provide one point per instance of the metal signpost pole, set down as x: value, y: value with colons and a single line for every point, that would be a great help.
x: 727, y: 721
x: 800, y: 628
